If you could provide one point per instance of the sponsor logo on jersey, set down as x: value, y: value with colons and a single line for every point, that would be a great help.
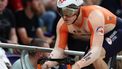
x: 111, y: 38
x: 109, y: 41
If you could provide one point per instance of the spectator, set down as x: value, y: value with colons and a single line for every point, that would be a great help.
x: 113, y: 5
x: 15, y: 5
x: 92, y: 2
x: 7, y: 24
x: 4, y: 61
x: 50, y: 4
x: 27, y: 22
x: 7, y: 31
x: 48, y: 18
x: 32, y: 57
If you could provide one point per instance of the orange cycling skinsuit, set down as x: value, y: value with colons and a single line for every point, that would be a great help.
x: 95, y: 26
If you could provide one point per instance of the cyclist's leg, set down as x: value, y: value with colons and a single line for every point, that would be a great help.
x: 112, y: 41
x: 100, y: 63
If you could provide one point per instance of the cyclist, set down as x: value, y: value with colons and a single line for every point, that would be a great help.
x: 97, y: 27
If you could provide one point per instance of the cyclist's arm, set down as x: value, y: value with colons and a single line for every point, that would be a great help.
x: 61, y: 40
x: 96, y: 26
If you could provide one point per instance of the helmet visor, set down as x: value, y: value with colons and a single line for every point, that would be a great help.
x: 68, y: 11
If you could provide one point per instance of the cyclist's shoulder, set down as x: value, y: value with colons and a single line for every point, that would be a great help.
x: 89, y: 7
x: 62, y: 25
x: 87, y: 10
x: 61, y: 22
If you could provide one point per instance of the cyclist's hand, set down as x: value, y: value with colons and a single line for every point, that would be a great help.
x: 44, y: 66
x: 49, y: 64
x: 76, y: 66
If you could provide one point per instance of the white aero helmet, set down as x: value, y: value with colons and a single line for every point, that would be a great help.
x: 64, y: 3
x: 68, y: 7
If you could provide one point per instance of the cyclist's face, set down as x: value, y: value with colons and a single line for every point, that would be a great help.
x: 69, y: 20
x: 3, y: 4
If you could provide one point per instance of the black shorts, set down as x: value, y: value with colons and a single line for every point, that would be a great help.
x: 112, y: 41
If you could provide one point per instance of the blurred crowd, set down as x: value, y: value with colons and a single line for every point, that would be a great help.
x: 33, y: 22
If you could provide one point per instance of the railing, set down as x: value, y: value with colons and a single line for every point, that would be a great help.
x: 25, y: 47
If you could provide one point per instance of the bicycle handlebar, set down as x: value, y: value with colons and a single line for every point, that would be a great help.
x: 67, y: 60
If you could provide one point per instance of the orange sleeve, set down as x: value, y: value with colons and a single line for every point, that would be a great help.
x: 62, y: 35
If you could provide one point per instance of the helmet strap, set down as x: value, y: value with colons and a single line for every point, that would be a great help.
x: 76, y: 16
